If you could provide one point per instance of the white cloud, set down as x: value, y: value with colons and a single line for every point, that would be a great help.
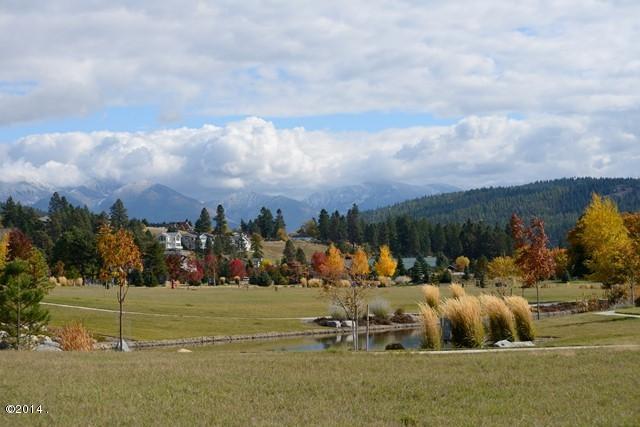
x: 284, y: 58
x: 253, y: 155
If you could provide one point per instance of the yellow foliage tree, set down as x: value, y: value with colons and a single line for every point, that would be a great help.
x: 632, y: 224
x: 360, y: 264
x: 606, y: 241
x: 120, y: 255
x: 386, y: 265
x: 503, y: 269
x: 462, y: 262
x: 4, y: 249
x: 333, y: 268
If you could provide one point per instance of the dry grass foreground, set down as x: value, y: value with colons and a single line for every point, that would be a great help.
x: 576, y: 387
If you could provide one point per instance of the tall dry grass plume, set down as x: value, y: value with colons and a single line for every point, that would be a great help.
x: 501, y: 321
x: 431, y: 296
x: 523, y: 318
x: 432, y: 335
x: 75, y: 337
x: 465, y: 316
x: 457, y: 291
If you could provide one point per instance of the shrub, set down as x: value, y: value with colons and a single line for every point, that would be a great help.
x: 457, y: 291
x: 445, y: 277
x: 303, y: 282
x: 431, y: 295
x: 380, y: 308
x: 62, y: 281
x: 402, y: 280
x: 432, y: 337
x: 637, y: 302
x: 522, y: 315
x: 314, y: 283
x: 617, y: 293
x: 385, y: 281
x: 466, y: 321
x: 501, y: 322
x: 336, y: 312
x: 75, y: 337
x: 343, y: 283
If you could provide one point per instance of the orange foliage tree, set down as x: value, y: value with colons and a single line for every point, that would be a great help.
x: 533, y: 256
x: 119, y: 255
x: 386, y: 265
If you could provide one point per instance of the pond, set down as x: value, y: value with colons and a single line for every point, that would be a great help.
x: 378, y: 341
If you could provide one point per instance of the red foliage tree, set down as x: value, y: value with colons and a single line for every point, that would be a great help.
x: 533, y: 255
x: 236, y: 268
x: 210, y: 267
x: 318, y: 262
x: 194, y: 271
x: 19, y: 245
x: 174, y: 268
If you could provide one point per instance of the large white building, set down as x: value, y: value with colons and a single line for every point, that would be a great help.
x: 171, y: 241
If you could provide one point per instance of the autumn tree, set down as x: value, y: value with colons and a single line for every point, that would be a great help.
x: 504, y: 270
x: 608, y: 244
x: 359, y: 265
x: 333, y: 268
x: 19, y: 245
x: 462, y: 262
x: 318, y: 260
x: 386, y: 265
x: 237, y: 268
x: 533, y: 256
x: 119, y: 255
x: 632, y: 224
x: 4, y: 250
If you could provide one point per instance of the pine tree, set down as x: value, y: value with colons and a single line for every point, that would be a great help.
x: 221, y: 221
x: 256, y: 246
x: 20, y: 296
x: 118, y: 215
x: 301, y: 257
x: 279, y: 223
x: 354, y: 226
x: 323, y: 225
x: 266, y: 224
x: 203, y: 224
x: 289, y: 253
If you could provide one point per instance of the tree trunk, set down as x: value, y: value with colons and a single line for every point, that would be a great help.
x: 538, y: 300
x: 18, y: 325
x: 120, y: 300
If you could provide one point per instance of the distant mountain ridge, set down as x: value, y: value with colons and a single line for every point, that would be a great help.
x: 559, y: 202
x: 160, y: 203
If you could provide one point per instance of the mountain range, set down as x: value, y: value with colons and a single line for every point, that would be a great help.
x: 160, y: 203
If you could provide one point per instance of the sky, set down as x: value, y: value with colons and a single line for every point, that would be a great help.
x: 289, y: 97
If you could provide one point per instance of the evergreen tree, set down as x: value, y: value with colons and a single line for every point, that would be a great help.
x: 221, y: 221
x: 301, y: 257
x: 289, y: 253
x: 203, y: 224
x: 354, y: 226
x: 256, y: 246
x: 279, y: 223
x: 417, y: 272
x: 323, y: 225
x: 118, y: 215
x: 266, y: 223
x: 400, y: 269
x: 20, y: 296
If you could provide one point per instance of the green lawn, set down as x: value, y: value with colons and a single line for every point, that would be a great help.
x: 588, y: 329
x: 179, y: 313
x: 630, y: 310
x: 576, y: 387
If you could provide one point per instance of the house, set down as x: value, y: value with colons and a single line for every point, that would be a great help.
x: 189, y: 240
x: 171, y: 241
x: 241, y: 241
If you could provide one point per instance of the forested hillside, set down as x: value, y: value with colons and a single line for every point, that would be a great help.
x: 559, y: 202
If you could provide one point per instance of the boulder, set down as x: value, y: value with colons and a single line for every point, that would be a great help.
x: 348, y: 323
x: 509, y: 344
x: 333, y: 323
x: 46, y: 347
x: 184, y: 350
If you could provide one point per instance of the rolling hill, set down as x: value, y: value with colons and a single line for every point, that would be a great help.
x: 559, y: 202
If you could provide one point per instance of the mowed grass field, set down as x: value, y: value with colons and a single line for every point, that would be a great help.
x: 163, y: 313
x: 563, y: 387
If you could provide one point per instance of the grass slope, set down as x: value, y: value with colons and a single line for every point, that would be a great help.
x: 273, y: 249
x: 577, y: 387
x: 179, y: 313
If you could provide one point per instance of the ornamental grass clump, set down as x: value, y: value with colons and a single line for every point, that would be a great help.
x: 432, y: 335
x: 75, y: 337
x: 501, y: 321
x: 522, y: 315
x: 431, y: 296
x: 465, y: 316
x: 457, y: 291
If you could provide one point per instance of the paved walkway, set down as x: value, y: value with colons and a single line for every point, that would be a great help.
x: 105, y: 310
x: 613, y: 313
x: 530, y: 349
